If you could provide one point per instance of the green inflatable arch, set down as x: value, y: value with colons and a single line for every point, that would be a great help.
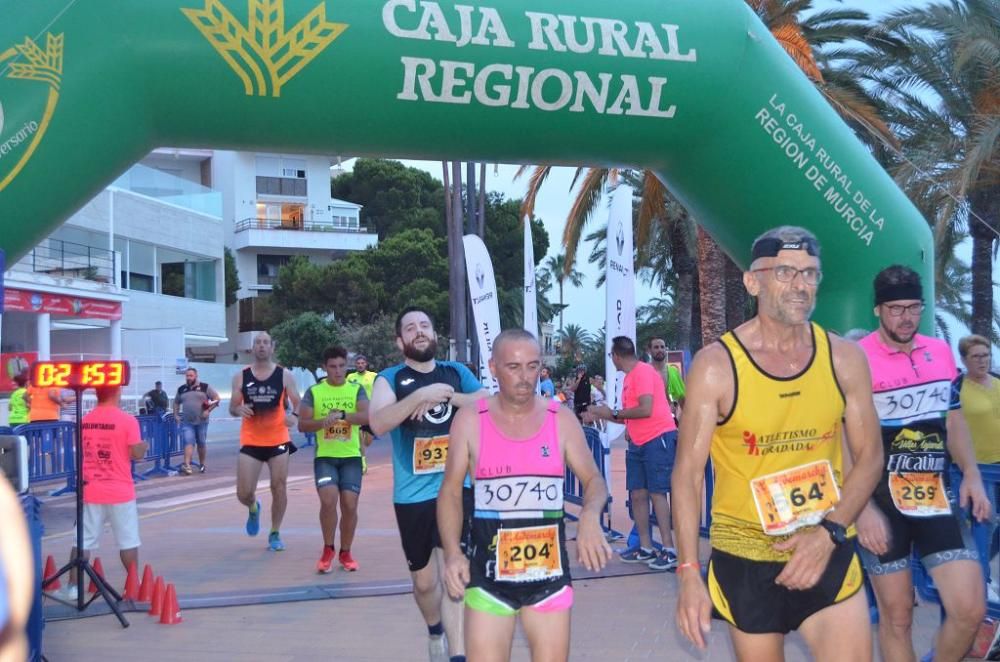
x: 695, y: 91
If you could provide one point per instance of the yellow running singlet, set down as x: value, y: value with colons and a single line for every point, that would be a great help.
x: 777, y: 456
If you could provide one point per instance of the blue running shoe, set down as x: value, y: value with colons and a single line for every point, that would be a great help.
x: 274, y: 541
x: 253, y: 521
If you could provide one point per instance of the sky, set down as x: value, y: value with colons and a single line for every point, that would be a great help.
x: 556, y: 198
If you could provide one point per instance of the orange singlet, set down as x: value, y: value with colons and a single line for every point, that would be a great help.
x: 267, y: 399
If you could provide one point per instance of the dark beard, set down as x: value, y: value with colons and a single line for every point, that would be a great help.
x: 421, y: 355
x: 896, y: 337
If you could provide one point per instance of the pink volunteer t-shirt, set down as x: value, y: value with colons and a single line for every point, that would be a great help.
x: 643, y: 379
x: 108, y: 432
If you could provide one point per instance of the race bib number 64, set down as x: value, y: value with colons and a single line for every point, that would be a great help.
x: 791, y: 499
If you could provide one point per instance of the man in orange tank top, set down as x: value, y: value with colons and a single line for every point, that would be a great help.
x: 787, y: 385
x: 260, y: 394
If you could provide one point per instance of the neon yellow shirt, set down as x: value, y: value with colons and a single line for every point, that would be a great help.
x: 365, y: 379
x: 340, y: 439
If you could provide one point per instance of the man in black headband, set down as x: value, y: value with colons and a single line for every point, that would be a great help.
x: 921, y: 424
x: 768, y: 402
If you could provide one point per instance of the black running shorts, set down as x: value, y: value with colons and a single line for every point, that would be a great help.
x: 744, y: 593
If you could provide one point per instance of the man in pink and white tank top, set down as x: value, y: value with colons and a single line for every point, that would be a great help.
x: 516, y: 446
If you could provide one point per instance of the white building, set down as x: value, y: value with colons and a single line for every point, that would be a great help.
x: 275, y: 207
x: 136, y: 274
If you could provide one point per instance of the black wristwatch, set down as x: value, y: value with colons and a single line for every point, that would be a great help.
x: 614, y: 414
x: 838, y: 532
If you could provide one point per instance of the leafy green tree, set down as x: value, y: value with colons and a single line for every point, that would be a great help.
x: 394, y: 197
x: 232, y: 278
x: 556, y: 265
x: 300, y: 341
x: 375, y: 339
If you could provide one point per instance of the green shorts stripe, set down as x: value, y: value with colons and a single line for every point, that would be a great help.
x: 480, y: 600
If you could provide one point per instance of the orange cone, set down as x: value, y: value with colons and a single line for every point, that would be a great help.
x: 170, y: 611
x: 146, y: 587
x: 131, y: 583
x: 99, y: 569
x: 50, y: 572
x: 156, y: 602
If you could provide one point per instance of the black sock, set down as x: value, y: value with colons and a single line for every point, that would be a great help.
x: 457, y: 658
x: 333, y: 548
x: 435, y: 630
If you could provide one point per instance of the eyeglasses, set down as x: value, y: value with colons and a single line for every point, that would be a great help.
x: 897, y: 309
x: 784, y: 273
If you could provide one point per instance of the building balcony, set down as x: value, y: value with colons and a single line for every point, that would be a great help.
x: 293, y: 234
x: 59, y: 263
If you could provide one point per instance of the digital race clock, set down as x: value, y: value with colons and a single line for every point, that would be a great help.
x: 79, y: 374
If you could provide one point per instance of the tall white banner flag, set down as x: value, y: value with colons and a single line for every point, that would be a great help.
x: 485, y: 304
x: 530, y: 297
x: 619, y: 286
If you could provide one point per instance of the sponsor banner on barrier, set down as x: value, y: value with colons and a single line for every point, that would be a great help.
x: 58, y: 304
x: 485, y: 305
x: 619, y: 286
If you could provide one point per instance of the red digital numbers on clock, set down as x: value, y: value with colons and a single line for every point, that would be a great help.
x: 79, y: 374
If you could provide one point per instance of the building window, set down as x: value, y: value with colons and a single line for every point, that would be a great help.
x: 268, y: 267
x: 188, y: 279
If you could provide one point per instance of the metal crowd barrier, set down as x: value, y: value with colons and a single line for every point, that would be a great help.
x: 573, y: 489
x: 52, y: 455
x: 983, y: 534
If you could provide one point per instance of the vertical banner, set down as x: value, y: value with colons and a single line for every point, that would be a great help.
x: 530, y: 295
x: 485, y: 304
x: 619, y: 287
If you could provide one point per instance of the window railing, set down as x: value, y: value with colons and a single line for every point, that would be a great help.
x: 65, y: 259
x: 297, y: 226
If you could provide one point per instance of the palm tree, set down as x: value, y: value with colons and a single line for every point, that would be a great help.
x: 938, y: 68
x: 574, y: 341
x: 556, y: 266
x: 661, y: 218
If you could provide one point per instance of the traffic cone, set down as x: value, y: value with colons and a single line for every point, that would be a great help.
x: 50, y: 572
x: 146, y: 587
x: 131, y: 583
x: 157, y: 601
x: 170, y: 611
x: 99, y: 569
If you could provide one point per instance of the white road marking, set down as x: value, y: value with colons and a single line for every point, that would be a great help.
x: 211, y: 494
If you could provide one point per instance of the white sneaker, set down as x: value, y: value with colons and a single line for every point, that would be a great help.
x: 437, y: 649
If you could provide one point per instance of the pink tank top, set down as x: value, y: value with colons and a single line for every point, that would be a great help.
x: 501, y: 457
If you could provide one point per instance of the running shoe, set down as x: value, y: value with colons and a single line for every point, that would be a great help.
x: 274, y: 542
x: 253, y: 521
x: 437, y: 649
x: 325, y: 564
x: 637, y: 555
x: 348, y: 561
x: 664, y: 560
x: 186, y: 469
x: 201, y: 468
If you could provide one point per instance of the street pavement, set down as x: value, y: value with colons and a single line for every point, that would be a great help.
x: 241, y: 601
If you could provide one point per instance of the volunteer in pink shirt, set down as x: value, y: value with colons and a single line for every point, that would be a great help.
x: 111, y: 440
x: 652, y: 445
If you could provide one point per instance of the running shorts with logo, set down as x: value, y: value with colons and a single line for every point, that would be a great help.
x: 264, y: 435
x: 419, y: 453
x: 914, y: 394
x: 778, y: 470
x: 517, y: 553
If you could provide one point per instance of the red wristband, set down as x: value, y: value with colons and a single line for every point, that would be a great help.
x: 694, y: 564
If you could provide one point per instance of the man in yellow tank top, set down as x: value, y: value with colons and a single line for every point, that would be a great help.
x: 766, y: 402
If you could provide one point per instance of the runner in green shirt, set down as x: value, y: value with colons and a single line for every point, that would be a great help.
x: 18, y: 403
x: 335, y: 410
x: 657, y: 348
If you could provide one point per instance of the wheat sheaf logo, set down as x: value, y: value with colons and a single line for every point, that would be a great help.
x: 28, y: 62
x: 263, y: 54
